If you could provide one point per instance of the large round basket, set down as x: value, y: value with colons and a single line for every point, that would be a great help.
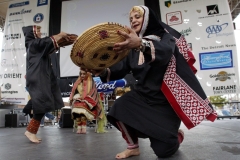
x: 94, y: 48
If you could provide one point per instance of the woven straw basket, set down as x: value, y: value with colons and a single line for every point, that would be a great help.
x: 94, y: 48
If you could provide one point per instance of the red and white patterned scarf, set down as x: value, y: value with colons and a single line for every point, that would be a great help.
x: 188, y: 100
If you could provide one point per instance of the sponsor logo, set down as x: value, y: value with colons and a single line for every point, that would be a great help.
x: 215, y: 60
x: 20, y: 12
x: 174, y: 18
x: 65, y: 94
x: 224, y: 89
x: 110, y: 86
x: 13, y: 36
x: 13, y: 49
x: 14, y: 98
x: 168, y: 3
x: 216, y: 30
x: 9, y: 92
x: 104, y: 86
x: 5, y: 64
x: 15, y: 20
x: 182, y: 1
x: 219, y: 47
x: 38, y: 18
x: 11, y: 75
x: 42, y: 2
x: 222, y: 76
x: 186, y: 32
x: 212, y: 9
x: 7, y: 86
x: 19, y: 4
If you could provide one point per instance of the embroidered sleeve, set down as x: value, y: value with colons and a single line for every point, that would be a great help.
x: 161, y: 49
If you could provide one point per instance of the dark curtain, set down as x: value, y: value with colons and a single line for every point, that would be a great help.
x: 66, y: 86
x: 54, y: 28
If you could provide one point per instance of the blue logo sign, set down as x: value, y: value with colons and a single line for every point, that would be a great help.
x: 19, y: 4
x: 38, y: 18
x: 216, y: 60
x: 42, y: 2
x: 215, y: 30
x: 110, y: 86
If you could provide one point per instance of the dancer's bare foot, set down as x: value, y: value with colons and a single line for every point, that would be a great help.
x: 32, y: 137
x: 127, y: 153
x: 84, y: 131
x: 79, y: 131
x: 39, y: 139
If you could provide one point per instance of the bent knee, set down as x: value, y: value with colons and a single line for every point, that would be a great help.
x: 163, y: 150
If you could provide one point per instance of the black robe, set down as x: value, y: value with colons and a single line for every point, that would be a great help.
x: 146, y: 108
x: 167, y: 91
x: 40, y: 79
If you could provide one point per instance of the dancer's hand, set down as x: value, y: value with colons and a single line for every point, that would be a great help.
x: 61, y: 36
x: 132, y: 41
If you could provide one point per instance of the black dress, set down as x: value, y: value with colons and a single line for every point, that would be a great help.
x: 146, y: 108
x: 41, y: 81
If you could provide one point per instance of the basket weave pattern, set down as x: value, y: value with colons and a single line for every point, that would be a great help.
x: 94, y: 48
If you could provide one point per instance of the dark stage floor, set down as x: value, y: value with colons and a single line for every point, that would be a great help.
x: 208, y: 141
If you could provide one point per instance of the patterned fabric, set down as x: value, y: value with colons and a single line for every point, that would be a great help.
x: 191, y: 108
x: 89, y: 97
x: 33, y: 126
x: 181, y: 87
x: 185, y: 51
x: 130, y: 137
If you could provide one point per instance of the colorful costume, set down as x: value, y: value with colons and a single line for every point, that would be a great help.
x: 151, y: 112
x: 86, y: 102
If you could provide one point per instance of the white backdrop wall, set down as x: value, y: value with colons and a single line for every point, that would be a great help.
x: 208, y: 28
x: 79, y: 15
x: 13, y: 54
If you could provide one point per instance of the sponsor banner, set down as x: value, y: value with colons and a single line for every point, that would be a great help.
x: 208, y: 29
x: 110, y: 86
x: 106, y: 88
x: 215, y: 60
x: 13, y: 54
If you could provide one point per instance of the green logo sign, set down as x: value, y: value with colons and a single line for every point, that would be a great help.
x: 168, y: 3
